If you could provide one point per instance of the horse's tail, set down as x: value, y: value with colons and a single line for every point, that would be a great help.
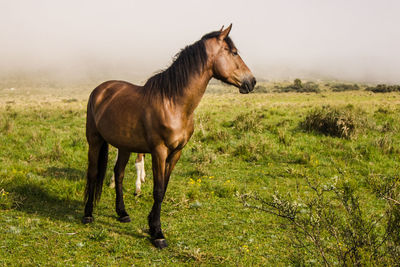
x: 101, y: 171
x: 94, y: 183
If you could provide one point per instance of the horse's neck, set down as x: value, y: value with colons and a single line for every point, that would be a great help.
x: 194, y: 92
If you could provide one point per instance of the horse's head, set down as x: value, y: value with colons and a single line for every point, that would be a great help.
x: 228, y: 66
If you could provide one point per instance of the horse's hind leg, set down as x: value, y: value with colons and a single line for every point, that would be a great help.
x: 140, y: 172
x: 119, y: 171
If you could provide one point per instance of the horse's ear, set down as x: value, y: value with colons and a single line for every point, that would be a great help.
x: 224, y: 33
x: 222, y: 28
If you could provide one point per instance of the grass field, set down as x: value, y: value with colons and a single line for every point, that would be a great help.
x: 243, y: 145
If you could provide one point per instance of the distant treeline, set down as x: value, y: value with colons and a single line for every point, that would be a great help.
x: 383, y: 88
x: 311, y: 87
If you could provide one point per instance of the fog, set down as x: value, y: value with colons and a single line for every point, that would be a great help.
x: 353, y: 40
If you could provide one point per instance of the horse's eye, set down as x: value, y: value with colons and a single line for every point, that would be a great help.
x: 235, y: 53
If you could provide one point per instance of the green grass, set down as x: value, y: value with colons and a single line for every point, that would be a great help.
x: 242, y: 144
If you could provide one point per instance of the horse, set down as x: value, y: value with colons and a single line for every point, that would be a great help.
x: 140, y: 173
x: 156, y: 118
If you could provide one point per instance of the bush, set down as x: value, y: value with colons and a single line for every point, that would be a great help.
x: 341, y: 87
x: 386, y: 144
x: 333, y: 227
x: 299, y: 87
x: 297, y: 84
x: 383, y: 88
x: 311, y: 87
x: 251, y: 151
x: 248, y: 121
x: 331, y: 121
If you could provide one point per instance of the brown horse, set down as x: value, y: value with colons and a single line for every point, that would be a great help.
x: 156, y: 118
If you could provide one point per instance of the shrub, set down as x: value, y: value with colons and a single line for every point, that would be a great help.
x: 383, y: 88
x: 385, y: 143
x: 332, y: 226
x: 248, y: 121
x: 297, y: 84
x: 200, y: 155
x: 252, y: 150
x: 299, y: 87
x: 331, y: 121
x: 249, y: 151
x: 341, y: 87
x: 311, y: 87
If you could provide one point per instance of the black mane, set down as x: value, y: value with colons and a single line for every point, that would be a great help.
x: 190, y: 60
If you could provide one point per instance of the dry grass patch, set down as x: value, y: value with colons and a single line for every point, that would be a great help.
x: 333, y: 121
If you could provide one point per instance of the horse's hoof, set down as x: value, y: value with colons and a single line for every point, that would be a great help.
x: 137, y: 193
x: 124, y: 219
x: 160, y: 243
x: 87, y: 220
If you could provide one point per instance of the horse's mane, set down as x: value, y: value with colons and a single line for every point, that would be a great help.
x: 192, y: 59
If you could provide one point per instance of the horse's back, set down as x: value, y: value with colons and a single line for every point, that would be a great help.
x: 115, y: 111
x: 109, y: 90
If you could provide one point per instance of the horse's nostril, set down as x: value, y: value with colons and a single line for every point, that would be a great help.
x: 253, y: 81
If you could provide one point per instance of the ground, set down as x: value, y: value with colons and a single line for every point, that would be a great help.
x: 243, y: 144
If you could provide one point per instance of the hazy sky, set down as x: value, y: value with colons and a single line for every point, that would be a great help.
x: 345, y: 39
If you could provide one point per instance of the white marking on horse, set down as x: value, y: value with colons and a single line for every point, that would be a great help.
x: 140, y: 172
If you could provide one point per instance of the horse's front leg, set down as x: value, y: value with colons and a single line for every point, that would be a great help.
x: 171, y: 162
x: 162, y: 168
x: 159, y: 157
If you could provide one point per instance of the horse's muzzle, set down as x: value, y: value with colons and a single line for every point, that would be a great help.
x: 247, y: 85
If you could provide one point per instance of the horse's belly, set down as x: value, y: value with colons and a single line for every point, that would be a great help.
x: 131, y: 146
x: 123, y: 136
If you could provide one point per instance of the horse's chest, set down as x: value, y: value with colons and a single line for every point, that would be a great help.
x: 179, y: 136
